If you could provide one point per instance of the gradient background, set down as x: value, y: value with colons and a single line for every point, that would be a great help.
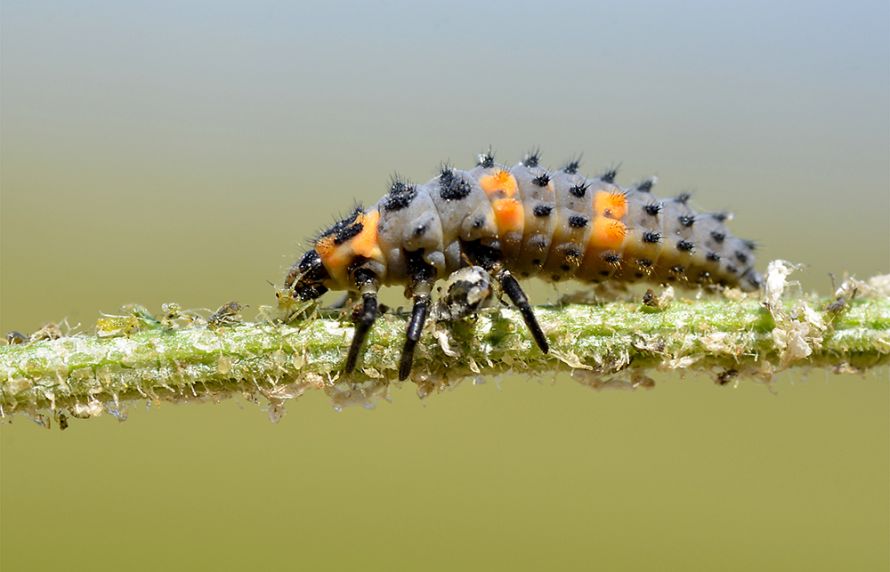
x: 156, y: 152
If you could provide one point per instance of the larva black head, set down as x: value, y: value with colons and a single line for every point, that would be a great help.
x: 307, y: 277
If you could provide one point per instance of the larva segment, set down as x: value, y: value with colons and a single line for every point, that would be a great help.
x: 573, y: 225
x: 676, y: 261
x: 408, y: 226
x: 539, y: 209
x: 509, y: 213
x: 465, y: 215
x: 603, y: 256
x: 643, y: 245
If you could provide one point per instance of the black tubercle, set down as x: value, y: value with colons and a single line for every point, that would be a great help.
x: 542, y: 180
x: 349, y: 232
x: 532, y: 158
x: 750, y: 244
x: 712, y: 256
x: 653, y: 209
x: 720, y: 217
x: 609, y: 176
x: 578, y: 221
x: 718, y: 236
x: 452, y: 187
x: 343, y: 229
x: 486, y: 160
x: 400, y: 195
x: 686, y: 220
x: 572, y: 166
x: 683, y: 198
x: 652, y: 237
x: 685, y: 246
x: 542, y: 210
x: 741, y: 256
x: 646, y: 186
x: 612, y: 258
x: 579, y: 190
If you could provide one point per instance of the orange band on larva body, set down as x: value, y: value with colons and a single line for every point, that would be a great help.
x: 508, y: 215
x: 608, y: 234
x: 365, y: 243
x: 610, y: 204
x: 337, y: 257
x: 500, y: 182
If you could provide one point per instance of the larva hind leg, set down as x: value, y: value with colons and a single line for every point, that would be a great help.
x: 421, y: 276
x: 520, y: 300
x: 490, y: 258
x: 367, y: 284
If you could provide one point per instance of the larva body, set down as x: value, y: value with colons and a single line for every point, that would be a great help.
x: 525, y: 221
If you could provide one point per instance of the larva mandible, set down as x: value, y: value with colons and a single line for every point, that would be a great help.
x: 521, y: 221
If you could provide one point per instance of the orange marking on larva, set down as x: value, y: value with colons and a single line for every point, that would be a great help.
x: 509, y: 215
x: 365, y: 243
x: 610, y: 204
x: 334, y: 257
x: 325, y: 246
x: 501, y: 181
x: 607, y: 233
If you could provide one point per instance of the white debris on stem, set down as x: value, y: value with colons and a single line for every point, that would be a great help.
x: 799, y: 331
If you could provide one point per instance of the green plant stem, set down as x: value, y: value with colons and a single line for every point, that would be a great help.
x: 615, y: 342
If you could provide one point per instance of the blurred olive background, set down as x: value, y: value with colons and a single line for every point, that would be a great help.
x: 156, y: 152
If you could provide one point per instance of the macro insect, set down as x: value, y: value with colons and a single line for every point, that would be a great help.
x: 520, y: 221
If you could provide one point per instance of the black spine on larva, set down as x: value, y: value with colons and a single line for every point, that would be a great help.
x: 400, y: 195
x: 542, y: 180
x: 486, y: 160
x: 572, y: 166
x: 451, y: 187
x: 646, y: 186
x: 651, y: 237
x: 610, y: 175
x: 578, y: 191
x: 532, y: 158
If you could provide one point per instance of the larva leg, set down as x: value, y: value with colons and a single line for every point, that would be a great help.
x: 489, y: 258
x: 368, y: 285
x: 422, y: 277
x: 520, y: 300
x: 419, y: 312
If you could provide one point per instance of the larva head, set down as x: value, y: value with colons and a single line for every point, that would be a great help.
x: 343, y: 246
x: 307, y: 278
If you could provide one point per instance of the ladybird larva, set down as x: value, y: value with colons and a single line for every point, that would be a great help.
x: 521, y: 221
